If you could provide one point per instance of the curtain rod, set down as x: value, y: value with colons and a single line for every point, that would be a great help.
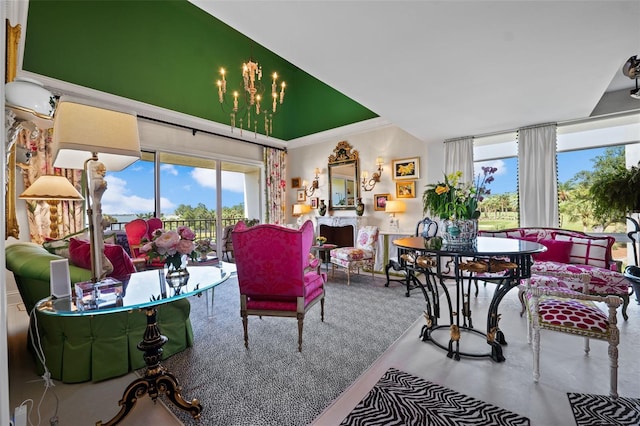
x: 194, y: 131
x: 559, y: 123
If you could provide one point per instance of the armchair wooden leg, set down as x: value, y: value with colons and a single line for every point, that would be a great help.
x: 322, y: 309
x: 300, y: 324
x: 245, y: 324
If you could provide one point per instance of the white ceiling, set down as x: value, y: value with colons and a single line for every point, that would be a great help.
x: 444, y: 69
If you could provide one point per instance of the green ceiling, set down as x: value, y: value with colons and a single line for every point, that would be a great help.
x: 167, y: 53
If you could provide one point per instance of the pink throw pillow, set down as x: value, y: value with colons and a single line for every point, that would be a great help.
x: 557, y: 251
x: 80, y: 255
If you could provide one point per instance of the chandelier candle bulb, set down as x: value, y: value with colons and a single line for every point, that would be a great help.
x: 282, y: 92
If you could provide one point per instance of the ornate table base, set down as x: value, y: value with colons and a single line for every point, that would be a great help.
x: 156, y: 380
x: 460, y: 320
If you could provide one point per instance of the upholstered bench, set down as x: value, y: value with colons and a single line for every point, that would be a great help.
x: 574, y: 252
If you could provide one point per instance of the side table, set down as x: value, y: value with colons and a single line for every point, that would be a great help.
x: 324, y: 252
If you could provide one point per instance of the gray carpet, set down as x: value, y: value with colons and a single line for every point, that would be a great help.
x: 272, y: 383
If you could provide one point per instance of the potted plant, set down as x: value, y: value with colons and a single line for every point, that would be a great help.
x: 616, y: 194
x: 456, y: 204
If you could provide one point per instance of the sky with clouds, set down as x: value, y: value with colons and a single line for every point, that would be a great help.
x: 131, y: 190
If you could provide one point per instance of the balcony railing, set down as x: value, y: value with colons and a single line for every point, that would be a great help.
x: 204, y: 228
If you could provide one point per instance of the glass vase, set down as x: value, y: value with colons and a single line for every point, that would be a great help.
x: 459, y: 232
x: 177, y: 278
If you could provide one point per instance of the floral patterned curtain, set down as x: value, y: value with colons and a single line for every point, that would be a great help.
x: 70, y: 214
x: 275, y: 161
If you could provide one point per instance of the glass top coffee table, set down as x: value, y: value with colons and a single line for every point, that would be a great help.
x: 143, y: 290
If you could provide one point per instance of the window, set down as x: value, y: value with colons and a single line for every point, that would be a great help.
x: 499, y: 210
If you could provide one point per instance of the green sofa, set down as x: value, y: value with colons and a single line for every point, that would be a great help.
x: 91, y: 347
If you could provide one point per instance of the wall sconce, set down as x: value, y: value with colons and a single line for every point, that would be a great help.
x: 392, y: 207
x: 369, y: 184
x: 314, y: 185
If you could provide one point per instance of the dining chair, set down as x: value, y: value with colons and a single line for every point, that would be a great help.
x: 573, y: 312
x: 424, y: 228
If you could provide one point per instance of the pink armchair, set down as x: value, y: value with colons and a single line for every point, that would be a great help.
x: 275, y: 273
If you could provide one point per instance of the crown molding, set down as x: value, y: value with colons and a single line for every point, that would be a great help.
x: 340, y: 132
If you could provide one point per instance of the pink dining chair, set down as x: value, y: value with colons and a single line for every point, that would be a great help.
x: 276, y: 275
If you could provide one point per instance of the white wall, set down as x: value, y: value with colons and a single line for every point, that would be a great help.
x: 390, y: 143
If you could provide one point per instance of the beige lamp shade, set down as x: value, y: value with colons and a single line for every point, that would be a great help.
x: 49, y: 187
x: 80, y: 130
x: 395, y: 206
x: 300, y: 209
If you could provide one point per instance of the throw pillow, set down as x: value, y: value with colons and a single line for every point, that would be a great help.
x: 589, y: 251
x: 60, y: 247
x: 557, y: 251
x: 80, y: 255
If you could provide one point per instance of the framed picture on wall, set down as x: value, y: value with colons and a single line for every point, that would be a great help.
x: 314, y: 202
x: 295, y: 182
x: 406, y: 168
x: 406, y: 189
x: 380, y: 201
x: 301, y: 195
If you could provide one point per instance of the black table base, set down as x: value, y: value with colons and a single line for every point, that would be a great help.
x: 156, y: 380
x: 460, y: 318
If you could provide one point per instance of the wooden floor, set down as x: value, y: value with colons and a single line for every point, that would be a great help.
x: 564, y: 368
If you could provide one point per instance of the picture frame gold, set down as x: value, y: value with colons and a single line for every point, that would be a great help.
x: 301, y: 196
x: 295, y: 182
x: 314, y: 202
x: 406, y: 189
x: 406, y: 168
x: 380, y: 201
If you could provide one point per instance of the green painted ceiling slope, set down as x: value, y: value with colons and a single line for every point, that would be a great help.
x: 167, y: 54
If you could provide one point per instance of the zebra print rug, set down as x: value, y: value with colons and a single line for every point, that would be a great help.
x: 402, y: 399
x: 589, y: 410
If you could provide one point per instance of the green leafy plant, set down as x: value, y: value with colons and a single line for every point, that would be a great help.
x: 617, y: 193
x: 453, y: 199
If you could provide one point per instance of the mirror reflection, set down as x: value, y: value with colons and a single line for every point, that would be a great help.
x: 343, y: 177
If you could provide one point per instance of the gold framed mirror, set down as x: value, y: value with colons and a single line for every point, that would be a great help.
x: 343, y: 177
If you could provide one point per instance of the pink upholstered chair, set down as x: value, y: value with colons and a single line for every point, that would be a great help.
x: 362, y: 255
x: 153, y: 223
x: 136, y: 230
x: 276, y: 275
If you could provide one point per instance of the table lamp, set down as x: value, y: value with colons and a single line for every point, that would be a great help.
x: 81, y: 133
x: 301, y: 210
x: 393, y: 207
x: 52, y: 189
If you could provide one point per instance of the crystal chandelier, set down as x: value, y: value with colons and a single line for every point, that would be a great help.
x: 248, y: 104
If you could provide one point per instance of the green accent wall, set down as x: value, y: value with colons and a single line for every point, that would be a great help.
x: 168, y: 53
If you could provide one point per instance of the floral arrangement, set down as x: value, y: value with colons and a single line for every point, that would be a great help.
x: 205, y: 245
x: 170, y: 246
x: 321, y: 240
x: 453, y: 199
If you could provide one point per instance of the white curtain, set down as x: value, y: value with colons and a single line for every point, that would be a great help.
x: 538, y: 176
x: 458, y: 155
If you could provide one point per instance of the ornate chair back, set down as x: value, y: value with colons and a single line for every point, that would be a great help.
x: 153, y: 223
x: 273, y: 272
x: 136, y: 230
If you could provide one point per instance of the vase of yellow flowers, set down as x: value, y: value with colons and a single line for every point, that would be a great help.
x: 174, y: 247
x: 455, y: 203
x: 320, y: 240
